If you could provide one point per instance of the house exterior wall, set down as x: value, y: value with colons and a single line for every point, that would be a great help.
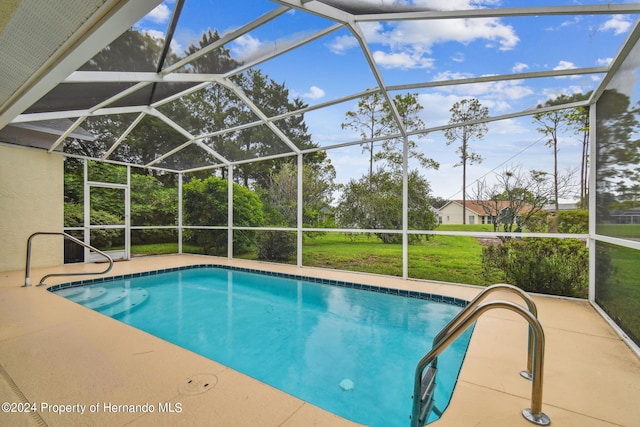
x: 31, y: 199
x: 452, y: 214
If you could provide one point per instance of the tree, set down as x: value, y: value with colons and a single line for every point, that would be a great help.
x: 374, y: 119
x: 217, y: 61
x: 371, y: 120
x: 376, y: 203
x: 617, y: 152
x: 391, y: 151
x: 578, y: 120
x: 375, y: 200
x: 206, y: 204
x: 204, y: 112
x: 552, y: 123
x: 438, y: 202
x: 468, y: 112
x: 518, y: 195
x: 132, y: 51
x: 280, y: 197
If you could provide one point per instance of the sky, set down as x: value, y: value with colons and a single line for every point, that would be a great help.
x: 408, y: 52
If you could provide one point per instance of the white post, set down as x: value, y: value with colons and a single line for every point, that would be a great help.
x: 300, y: 218
x: 405, y: 207
x: 180, y: 178
x: 591, y: 242
x: 230, y: 213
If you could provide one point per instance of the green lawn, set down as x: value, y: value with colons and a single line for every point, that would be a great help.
x: 629, y: 231
x: 162, y: 249
x: 455, y: 259
x: 445, y: 258
x: 465, y: 227
x: 620, y: 294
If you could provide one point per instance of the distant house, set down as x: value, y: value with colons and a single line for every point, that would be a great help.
x: 451, y: 213
x: 561, y: 207
x: 624, y: 216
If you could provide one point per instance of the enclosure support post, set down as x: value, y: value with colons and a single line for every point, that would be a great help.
x: 405, y: 207
x: 180, y: 180
x: 230, y: 214
x: 299, y: 211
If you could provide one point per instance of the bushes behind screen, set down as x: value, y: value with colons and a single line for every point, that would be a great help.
x: 548, y: 266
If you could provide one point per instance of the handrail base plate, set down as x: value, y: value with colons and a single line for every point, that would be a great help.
x: 527, y: 375
x: 541, y: 420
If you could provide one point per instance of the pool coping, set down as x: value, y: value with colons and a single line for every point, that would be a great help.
x: 340, y: 283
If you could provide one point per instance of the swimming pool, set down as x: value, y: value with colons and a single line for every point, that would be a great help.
x: 348, y: 348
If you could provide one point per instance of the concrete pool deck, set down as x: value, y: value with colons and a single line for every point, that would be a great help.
x: 55, y: 352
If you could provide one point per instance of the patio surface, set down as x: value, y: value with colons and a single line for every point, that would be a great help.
x: 55, y: 352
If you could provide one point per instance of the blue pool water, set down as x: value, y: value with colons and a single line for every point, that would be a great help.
x: 352, y: 352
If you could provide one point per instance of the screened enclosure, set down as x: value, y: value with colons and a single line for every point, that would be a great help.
x: 406, y: 138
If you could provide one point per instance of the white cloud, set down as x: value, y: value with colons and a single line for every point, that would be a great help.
x: 455, y: 4
x: 519, y: 67
x: 450, y: 75
x: 495, y: 95
x: 436, y: 107
x: 553, y: 93
x: 155, y: 34
x: 604, y: 61
x: 406, y: 42
x: 575, y: 20
x: 566, y: 65
x: 341, y: 44
x: 246, y: 46
x: 314, y: 93
x: 458, y: 57
x: 160, y: 14
x: 619, y: 24
x: 421, y: 36
x: 564, y: 24
x: 402, y: 60
x: 508, y: 127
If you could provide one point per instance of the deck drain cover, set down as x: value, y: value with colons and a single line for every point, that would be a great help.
x: 198, y: 384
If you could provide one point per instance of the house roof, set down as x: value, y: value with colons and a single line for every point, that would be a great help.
x: 486, y: 207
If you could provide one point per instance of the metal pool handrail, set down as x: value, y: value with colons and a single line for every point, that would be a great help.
x: 533, y: 414
x: 68, y: 237
x: 477, y: 300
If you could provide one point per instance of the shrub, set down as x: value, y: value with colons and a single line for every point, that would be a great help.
x: 549, y: 266
x: 276, y: 245
x: 573, y: 221
x: 538, y: 222
x: 100, y: 238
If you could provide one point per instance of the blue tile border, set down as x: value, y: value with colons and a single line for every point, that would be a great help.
x: 371, y: 288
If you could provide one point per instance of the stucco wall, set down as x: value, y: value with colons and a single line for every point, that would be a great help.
x: 452, y: 214
x: 31, y: 199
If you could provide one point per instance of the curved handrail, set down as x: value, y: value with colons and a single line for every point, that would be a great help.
x: 533, y: 414
x: 477, y: 300
x: 68, y: 237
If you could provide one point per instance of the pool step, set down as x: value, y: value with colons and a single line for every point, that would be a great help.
x: 82, y: 294
x: 128, y: 300
x: 107, y: 301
